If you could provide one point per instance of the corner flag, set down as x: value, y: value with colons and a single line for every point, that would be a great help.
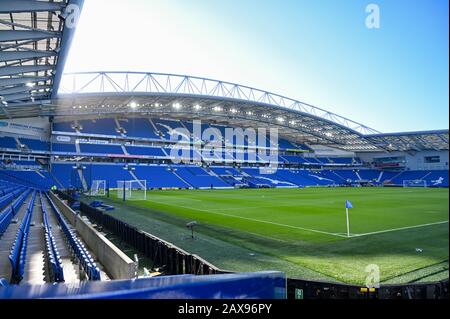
x: 348, y: 204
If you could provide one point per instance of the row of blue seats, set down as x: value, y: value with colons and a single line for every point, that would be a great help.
x: 8, y: 213
x: 12, y: 193
x: 155, y: 129
x: 39, y: 179
x: 18, y: 253
x: 53, y: 257
x: 8, y: 189
x: 86, y: 260
x: 6, y: 199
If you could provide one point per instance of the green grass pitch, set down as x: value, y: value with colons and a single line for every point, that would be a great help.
x: 303, y: 231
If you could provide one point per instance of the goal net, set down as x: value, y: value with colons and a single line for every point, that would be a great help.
x: 415, y: 183
x: 98, y: 188
x: 132, y: 189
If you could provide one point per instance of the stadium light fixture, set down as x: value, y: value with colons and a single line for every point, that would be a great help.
x: 30, y: 84
x: 217, y: 108
x: 250, y: 113
x: 197, y: 107
x: 176, y: 106
x: 133, y: 105
x: 280, y: 119
x: 156, y: 104
x: 233, y: 110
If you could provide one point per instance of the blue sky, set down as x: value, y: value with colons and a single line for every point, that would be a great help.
x: 392, y: 79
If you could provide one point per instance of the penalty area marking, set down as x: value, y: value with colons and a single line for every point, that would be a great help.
x: 255, y: 220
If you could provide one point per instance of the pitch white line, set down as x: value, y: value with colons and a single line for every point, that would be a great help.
x: 252, y: 219
x: 397, y: 229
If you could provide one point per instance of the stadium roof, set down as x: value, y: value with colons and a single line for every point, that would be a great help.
x: 34, y: 42
x: 187, y: 97
x: 411, y: 141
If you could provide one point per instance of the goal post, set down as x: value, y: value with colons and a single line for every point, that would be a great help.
x: 415, y: 183
x: 98, y: 188
x: 132, y: 189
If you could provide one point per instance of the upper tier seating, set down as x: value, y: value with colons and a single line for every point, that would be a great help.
x: 138, y: 127
x: 63, y: 127
x: 8, y: 142
x: 35, y: 145
x: 99, y: 126
x: 147, y: 151
x: 166, y: 126
x: 64, y: 147
x: 25, y: 163
x: 285, y: 144
x: 101, y: 149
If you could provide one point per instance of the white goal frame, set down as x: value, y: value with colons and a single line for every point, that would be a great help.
x: 98, y: 188
x: 131, y: 188
x: 415, y: 183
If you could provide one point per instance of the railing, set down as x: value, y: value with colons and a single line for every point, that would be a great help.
x: 162, y: 253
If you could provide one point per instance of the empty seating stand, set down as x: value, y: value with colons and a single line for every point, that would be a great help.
x: 77, y: 247
x: 17, y: 256
x: 8, y: 213
x: 55, y: 267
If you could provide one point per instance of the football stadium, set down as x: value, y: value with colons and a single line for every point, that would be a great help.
x: 127, y: 184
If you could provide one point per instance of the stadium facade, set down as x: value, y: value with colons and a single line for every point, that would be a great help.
x: 70, y: 130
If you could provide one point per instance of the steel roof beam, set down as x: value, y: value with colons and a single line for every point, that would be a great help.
x: 20, y: 35
x: 21, y: 96
x: 15, y: 6
x: 14, y: 70
x: 6, y: 56
x: 22, y: 80
x: 21, y: 89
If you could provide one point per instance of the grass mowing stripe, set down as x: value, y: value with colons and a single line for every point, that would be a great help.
x: 252, y: 219
x: 397, y: 229
x: 392, y: 214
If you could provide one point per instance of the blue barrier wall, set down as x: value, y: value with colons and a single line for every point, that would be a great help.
x: 257, y: 285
